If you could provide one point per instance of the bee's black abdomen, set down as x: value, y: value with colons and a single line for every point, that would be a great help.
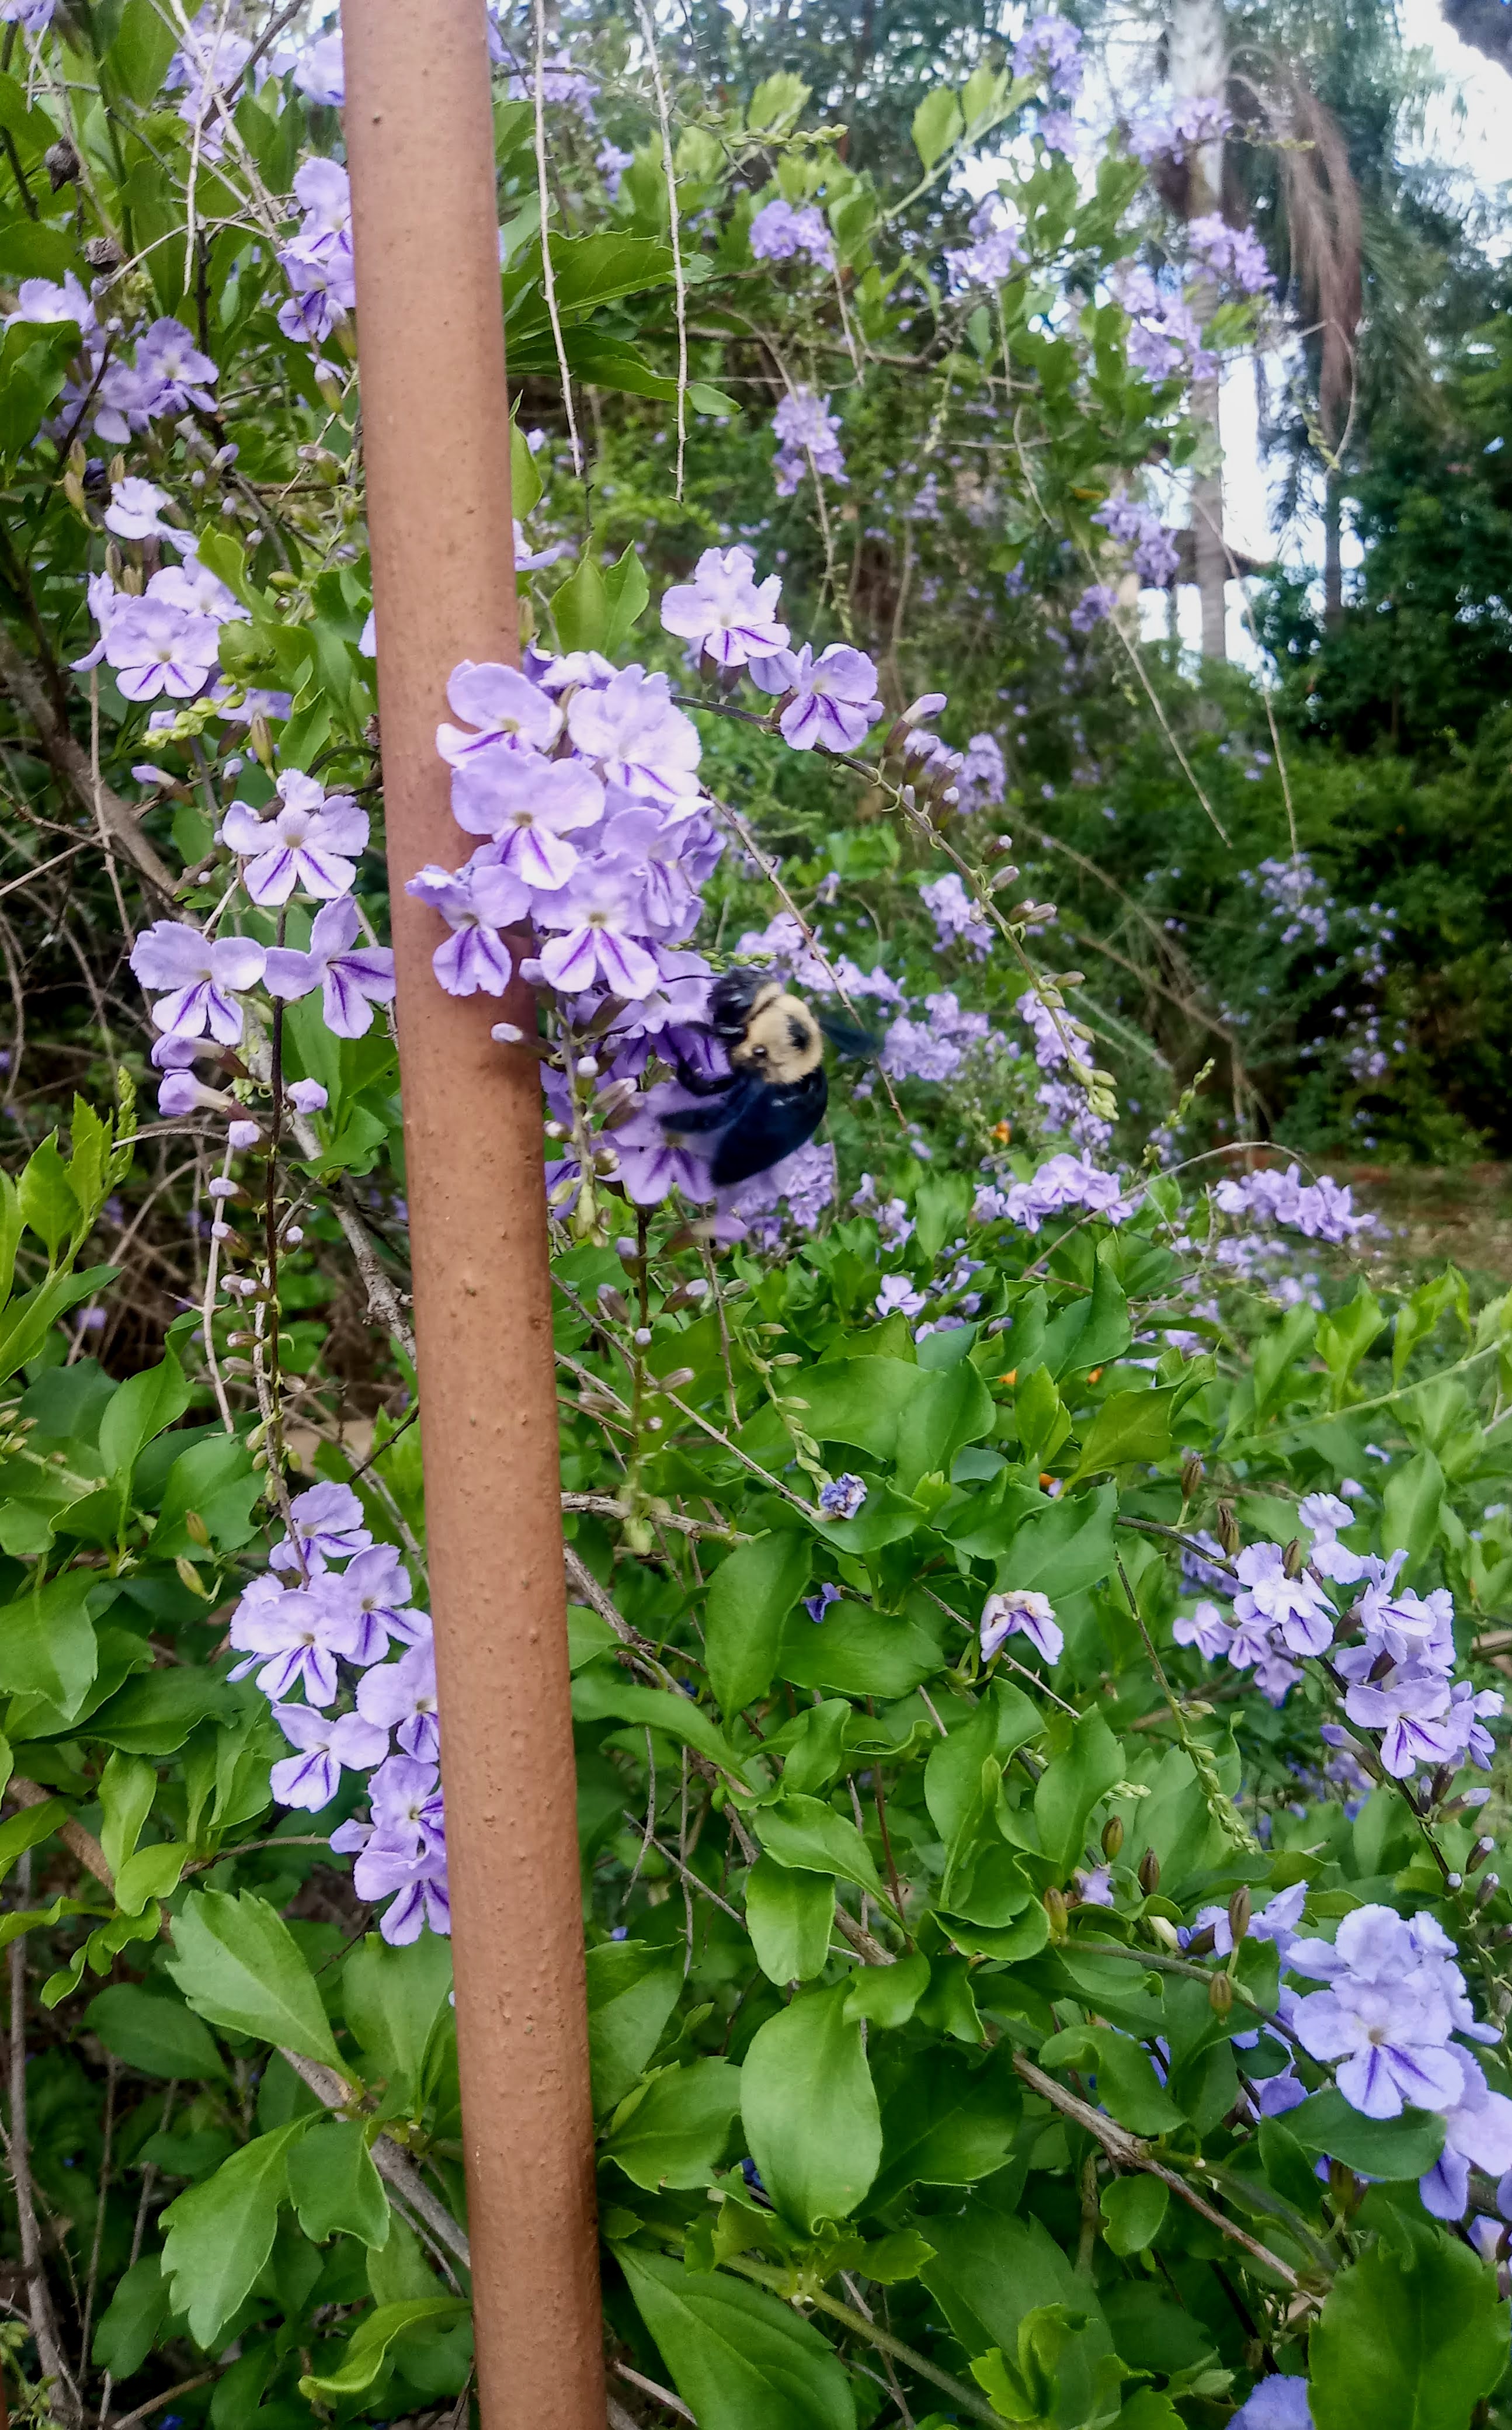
x: 774, y: 1123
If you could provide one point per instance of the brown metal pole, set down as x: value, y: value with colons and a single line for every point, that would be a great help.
x: 434, y: 418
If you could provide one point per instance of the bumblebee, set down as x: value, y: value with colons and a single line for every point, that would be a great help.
x: 773, y: 1095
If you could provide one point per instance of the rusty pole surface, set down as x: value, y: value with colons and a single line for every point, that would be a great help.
x: 435, y: 436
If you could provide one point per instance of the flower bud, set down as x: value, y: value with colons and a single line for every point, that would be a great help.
x: 260, y: 740
x: 195, y: 1527
x: 508, y: 1033
x: 1239, y: 1914
x: 189, y: 1576
x: 1478, y: 1855
x: 679, y: 1376
x: 1221, y: 1995
x: 1054, y: 1905
x: 1149, y: 1873
x: 1293, y: 1557
x: 1226, y: 1529
x: 1112, y: 1835
x: 1191, y: 1474
x: 1006, y: 875
x: 1488, y: 1889
x: 614, y: 1304
x: 1201, y: 1944
x: 1164, y: 1931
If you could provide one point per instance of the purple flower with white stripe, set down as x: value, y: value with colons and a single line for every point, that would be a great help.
x: 529, y: 805
x: 1477, y: 2134
x: 328, y: 1527
x: 298, y: 1634
x: 304, y: 844
x: 1383, y: 2021
x: 155, y: 648
x: 376, y: 1587
x: 328, y: 1744
x: 834, y: 702
x: 203, y: 976
x: 1020, y: 1612
x: 641, y: 741
x: 353, y: 978
x: 599, y: 912
x: 502, y: 706
x: 725, y: 610
x: 475, y: 902
x: 401, y: 1696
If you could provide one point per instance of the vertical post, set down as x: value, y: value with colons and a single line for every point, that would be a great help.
x: 1198, y: 67
x: 436, y: 435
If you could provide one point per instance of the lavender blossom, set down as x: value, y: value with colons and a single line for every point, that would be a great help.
x: 352, y: 977
x: 155, y: 648
x: 1234, y: 254
x: 1384, y: 2020
x: 475, y: 902
x: 203, y: 976
x: 832, y: 703
x: 724, y: 609
x: 783, y: 231
x: 303, y: 846
x: 806, y: 430
x: 641, y: 741
x: 328, y: 1527
x: 843, y: 1498
x: 957, y: 918
x: 529, y: 805
x: 1018, y: 1611
x: 328, y: 1744
x: 401, y: 1696
x: 296, y: 1633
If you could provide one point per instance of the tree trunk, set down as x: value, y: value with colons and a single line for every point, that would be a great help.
x: 1333, y: 559
x: 1198, y: 67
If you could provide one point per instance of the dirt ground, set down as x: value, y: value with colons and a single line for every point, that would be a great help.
x: 1460, y: 1215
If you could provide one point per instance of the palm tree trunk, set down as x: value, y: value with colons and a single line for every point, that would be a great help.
x: 1198, y: 67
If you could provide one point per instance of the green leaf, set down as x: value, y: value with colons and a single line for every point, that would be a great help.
x: 47, y: 1643
x: 368, y: 2348
x: 392, y: 1999
x: 237, y: 1962
x: 607, y: 1695
x: 155, y: 2033
x: 334, y: 2186
x: 1409, y: 2340
x: 808, y: 1835
x: 25, y: 1323
x: 789, y: 1917
x: 216, y: 1481
x: 127, y: 1788
x: 153, y: 1714
x: 1133, y: 2208
x: 991, y: 2270
x: 776, y: 101
x: 1414, y: 1501
x: 674, y: 2131
x: 1085, y: 1765
x: 858, y: 1651
x: 632, y: 1990
x: 1392, y: 2148
x: 48, y: 1205
x: 740, y: 2358
x: 29, y: 1829
x: 525, y: 481
x: 581, y: 606
x: 1065, y: 1547
x: 626, y: 596
x: 139, y: 56
x: 750, y: 1595
x: 153, y: 1872
x: 142, y: 1406
x: 887, y: 1996
x: 860, y: 1401
x: 937, y: 124
x: 950, y: 1407
x: 810, y: 2110
x: 221, y: 2232
x: 948, y: 2120
x: 1128, y: 1426
x: 133, y: 2320
x: 1127, y: 2085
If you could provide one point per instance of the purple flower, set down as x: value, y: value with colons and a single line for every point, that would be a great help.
x: 956, y: 916
x: 303, y: 844
x: 641, y: 741
x: 528, y: 805
x: 843, y: 1498
x: 320, y: 73
x: 401, y: 1696
x: 327, y: 1526
x: 1051, y: 46
x: 997, y: 248
x: 202, y: 975
x: 296, y: 1633
x: 780, y: 231
x: 1384, y: 2020
x: 1477, y: 2134
x: 805, y: 430
x: 1234, y: 254
x: 817, y: 1605
x: 1065, y: 1182
x: 1297, y: 1607
x: 376, y: 1586
x: 155, y: 648
x: 898, y: 1292
x: 243, y: 1134
x: 983, y: 779
x: 307, y: 1097
x: 1207, y: 1629
x: 194, y: 590
x: 731, y: 616
x: 1094, y: 606
x: 353, y: 981
x: 328, y: 1744
x: 834, y: 704
x: 136, y: 512
x: 1279, y: 2403
x: 35, y: 16
x: 1020, y: 1612
x: 1154, y: 554
x: 475, y: 902
x: 175, y: 374
x: 503, y: 704
x: 598, y: 912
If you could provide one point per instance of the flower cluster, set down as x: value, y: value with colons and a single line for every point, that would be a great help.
x: 1152, y: 550
x: 1387, y: 2021
x: 996, y: 250
x: 1063, y: 1186
x: 806, y: 432
x: 957, y: 918
x: 163, y: 642
x: 318, y: 262
x: 783, y: 231
x: 1234, y: 254
x: 1052, y: 47
x: 1173, y: 134
x: 1319, y: 1209
x: 982, y: 780
x: 120, y: 383
x: 1094, y: 607
x: 934, y: 1048
x: 327, y: 1638
x: 1165, y: 338
x: 1065, y: 1101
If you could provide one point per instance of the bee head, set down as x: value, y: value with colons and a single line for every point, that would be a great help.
x: 781, y: 1041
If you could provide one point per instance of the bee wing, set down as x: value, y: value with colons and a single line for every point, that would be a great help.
x: 775, y: 1121
x: 848, y: 1040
